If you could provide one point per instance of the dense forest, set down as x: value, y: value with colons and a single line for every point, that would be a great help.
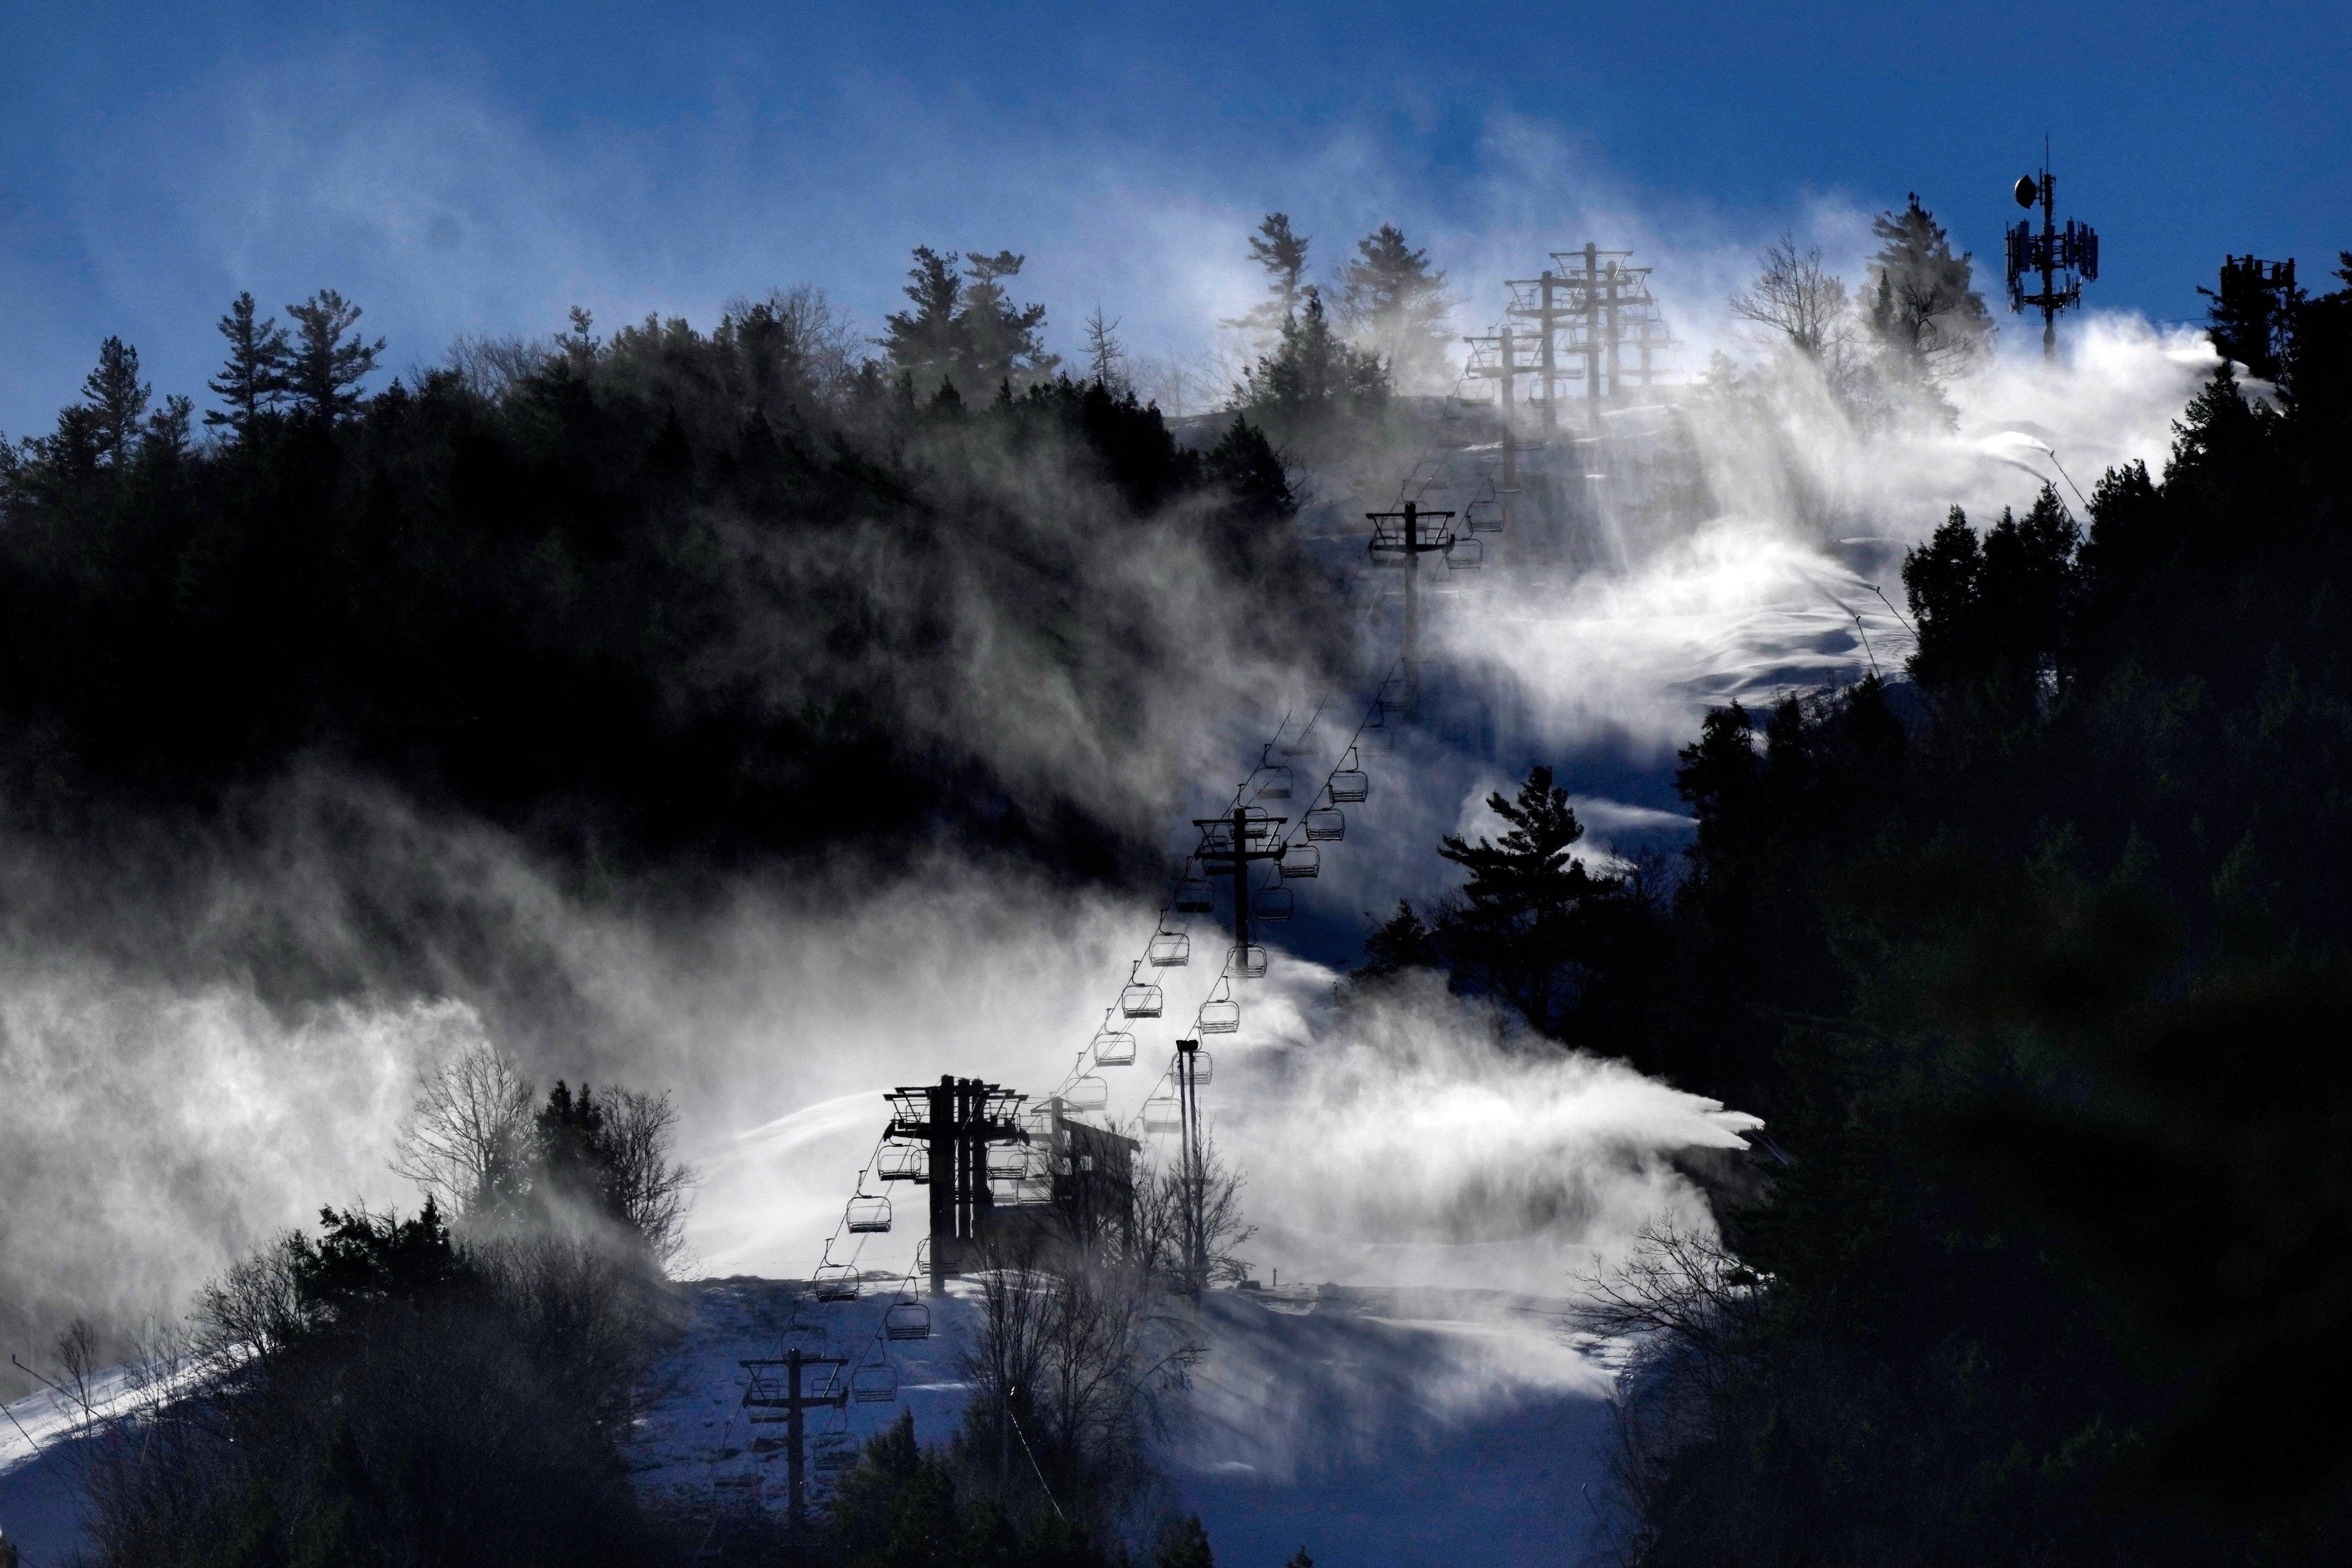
x: 2039, y: 966
x: 655, y: 596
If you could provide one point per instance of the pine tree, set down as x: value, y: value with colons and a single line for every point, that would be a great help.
x: 964, y: 331
x: 1395, y: 304
x: 1186, y: 1545
x: 1929, y: 324
x: 1006, y: 342
x: 327, y: 363
x: 1282, y: 255
x: 1517, y: 932
x: 116, y: 395
x: 927, y: 342
x: 1313, y: 371
x: 254, y: 379
x: 167, y: 427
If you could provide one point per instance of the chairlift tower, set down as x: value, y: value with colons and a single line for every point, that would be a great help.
x: 2066, y: 258
x: 765, y: 1394
x: 1594, y: 306
x: 1403, y: 545
x: 959, y: 1119
x: 1239, y: 839
x: 1543, y: 301
x: 1497, y: 359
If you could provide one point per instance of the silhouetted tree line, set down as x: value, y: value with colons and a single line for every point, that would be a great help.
x: 668, y: 591
x: 2038, y: 965
x: 449, y: 1387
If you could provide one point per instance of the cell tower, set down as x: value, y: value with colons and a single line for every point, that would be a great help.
x: 2066, y: 258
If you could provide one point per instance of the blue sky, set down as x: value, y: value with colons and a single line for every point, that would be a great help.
x: 477, y: 168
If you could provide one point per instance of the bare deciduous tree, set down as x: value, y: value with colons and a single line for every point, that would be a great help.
x: 1684, y: 1300
x: 1798, y: 298
x: 650, y: 1189
x: 468, y: 1138
x: 1072, y: 1362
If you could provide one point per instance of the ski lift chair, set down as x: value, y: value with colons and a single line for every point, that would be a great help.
x: 1220, y: 1015
x: 1257, y: 822
x: 1205, y: 1068
x: 1193, y: 895
x: 876, y: 1382
x: 907, y: 1320
x: 1273, y: 903
x: 1465, y: 555
x: 835, y: 1282
x: 1301, y: 860
x: 1326, y: 823
x: 1113, y: 1048
x: 834, y: 1454
x: 1008, y: 1161
x: 869, y: 1215
x: 1246, y: 963
x: 1088, y: 1093
x: 1140, y: 999
x: 1161, y: 1113
x: 903, y: 1162
x: 1271, y: 779
x: 1170, y: 950
x: 1350, y: 783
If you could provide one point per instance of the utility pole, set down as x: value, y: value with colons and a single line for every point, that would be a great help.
x: 765, y: 1394
x: 1195, y: 1167
x: 958, y: 1120
x: 1407, y: 544
x: 2054, y: 253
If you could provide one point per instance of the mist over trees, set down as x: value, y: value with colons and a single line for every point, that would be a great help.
x: 1887, y: 351
x: 669, y: 593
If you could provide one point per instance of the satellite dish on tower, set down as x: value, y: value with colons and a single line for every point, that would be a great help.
x: 2026, y: 190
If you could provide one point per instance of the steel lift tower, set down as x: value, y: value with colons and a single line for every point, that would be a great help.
x: 1399, y: 539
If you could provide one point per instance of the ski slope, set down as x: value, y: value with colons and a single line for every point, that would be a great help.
x: 1375, y: 1427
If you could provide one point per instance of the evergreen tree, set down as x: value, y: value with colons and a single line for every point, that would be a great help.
x: 1282, y: 255
x: 1395, y: 304
x: 114, y: 393
x: 254, y: 379
x: 1186, y: 1545
x: 327, y: 363
x: 168, y: 427
x: 1312, y: 373
x: 1247, y: 464
x: 1520, y: 929
x: 964, y: 331
x: 1401, y: 942
x: 1006, y: 342
x: 1929, y: 324
x: 574, y: 1159
x: 926, y: 343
